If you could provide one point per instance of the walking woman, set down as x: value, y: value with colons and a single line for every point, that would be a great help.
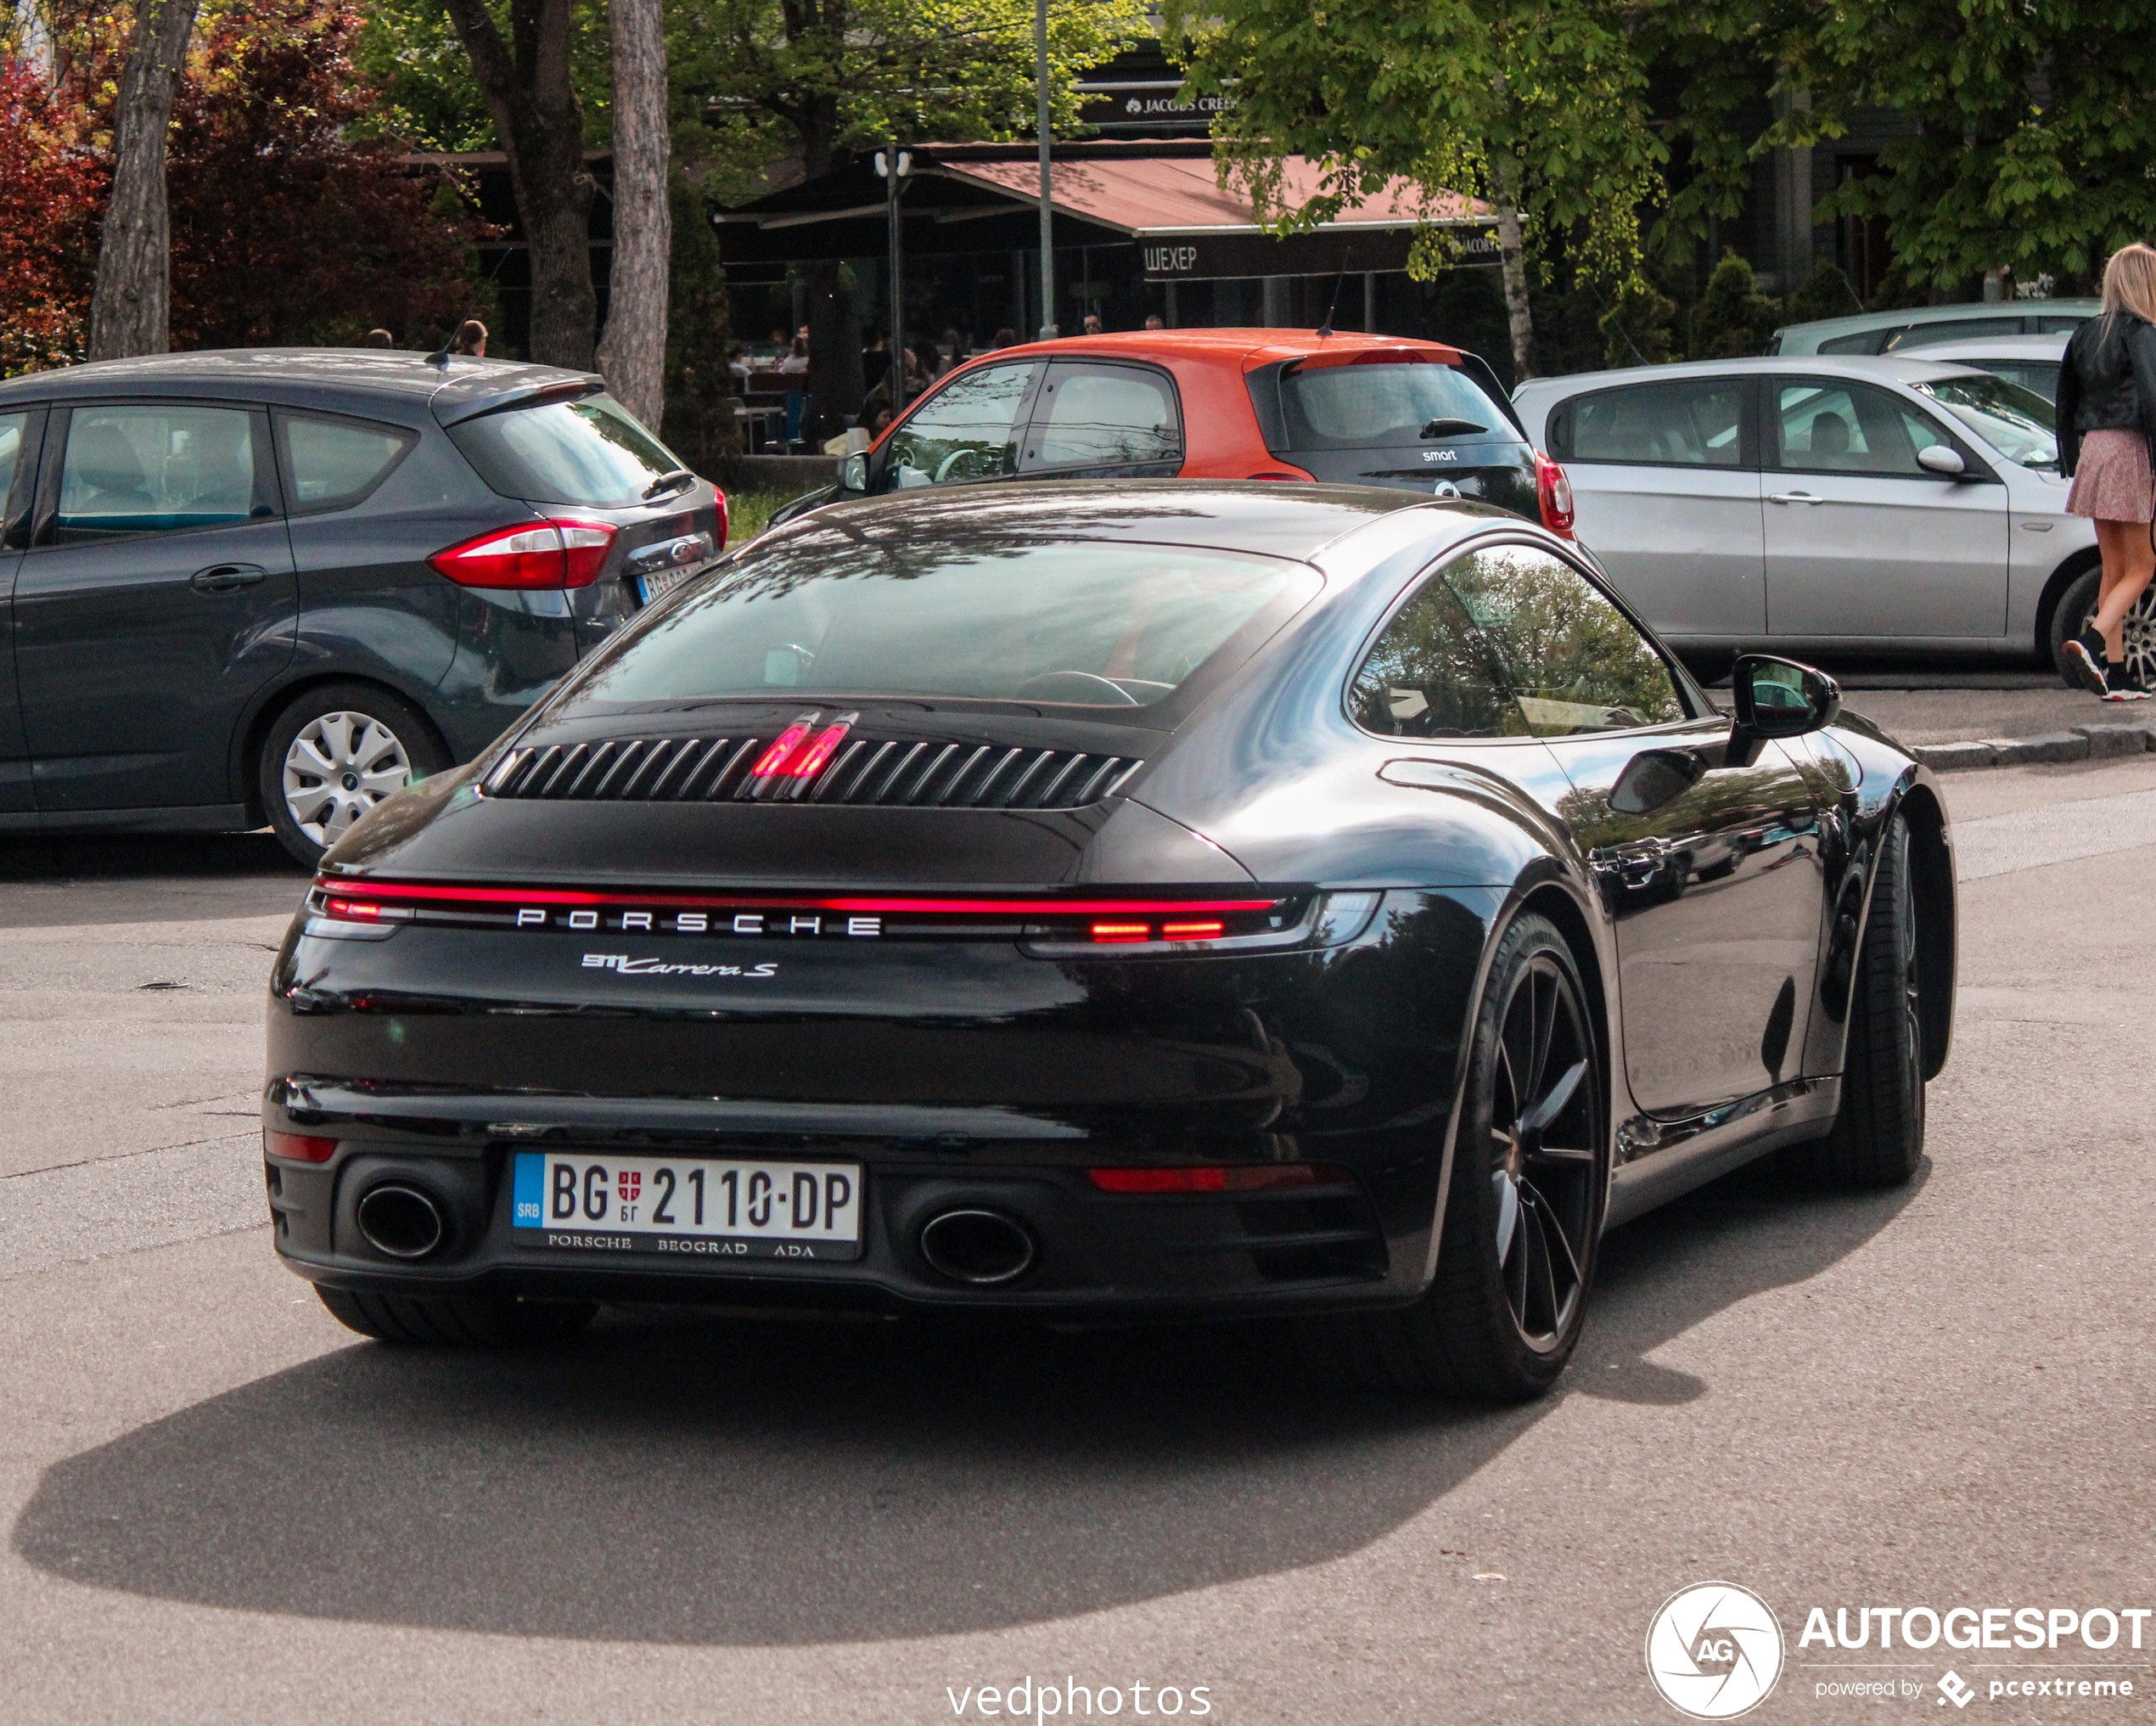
x: 2106, y: 432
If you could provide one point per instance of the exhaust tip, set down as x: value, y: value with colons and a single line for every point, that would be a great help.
x: 981, y: 1248
x: 401, y: 1222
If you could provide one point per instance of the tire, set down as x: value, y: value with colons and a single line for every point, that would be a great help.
x: 457, y: 1321
x: 1505, y: 1311
x: 1879, y: 1136
x: 332, y: 753
x: 2071, y: 615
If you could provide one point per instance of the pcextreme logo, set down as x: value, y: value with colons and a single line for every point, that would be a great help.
x: 1714, y: 1650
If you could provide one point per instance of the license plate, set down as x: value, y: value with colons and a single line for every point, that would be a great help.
x: 690, y: 1207
x: 650, y: 588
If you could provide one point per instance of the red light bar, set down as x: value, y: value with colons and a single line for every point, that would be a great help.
x: 810, y: 761
x: 774, y: 758
x: 1209, y: 930
x: 1235, y: 1177
x: 298, y: 1147
x: 1122, y: 932
x: 415, y: 893
x: 350, y: 907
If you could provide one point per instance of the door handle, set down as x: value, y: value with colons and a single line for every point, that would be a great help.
x: 227, y: 578
x: 1634, y: 864
x: 1794, y: 498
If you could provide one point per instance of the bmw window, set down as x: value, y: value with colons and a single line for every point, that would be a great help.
x: 2017, y: 422
x: 1694, y: 424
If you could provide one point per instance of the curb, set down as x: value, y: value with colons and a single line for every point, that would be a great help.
x: 2082, y: 743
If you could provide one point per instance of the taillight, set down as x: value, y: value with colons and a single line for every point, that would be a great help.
x: 809, y: 762
x: 773, y: 760
x: 558, y: 553
x: 726, y: 516
x: 1553, y: 491
x: 298, y: 1147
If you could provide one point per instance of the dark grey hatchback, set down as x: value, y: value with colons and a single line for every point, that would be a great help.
x: 273, y: 586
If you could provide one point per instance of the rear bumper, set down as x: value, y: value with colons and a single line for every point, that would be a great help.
x: 956, y: 1076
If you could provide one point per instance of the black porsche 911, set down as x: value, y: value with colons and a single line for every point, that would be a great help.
x: 1099, y: 901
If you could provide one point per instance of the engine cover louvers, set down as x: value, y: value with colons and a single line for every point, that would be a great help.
x: 867, y: 770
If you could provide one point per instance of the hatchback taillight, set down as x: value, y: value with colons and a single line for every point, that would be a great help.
x: 559, y: 553
x: 1554, y: 492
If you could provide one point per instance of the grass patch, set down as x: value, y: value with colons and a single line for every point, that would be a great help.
x: 749, y: 513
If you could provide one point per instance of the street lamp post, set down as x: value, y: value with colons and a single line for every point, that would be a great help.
x: 1047, y: 218
x: 894, y: 166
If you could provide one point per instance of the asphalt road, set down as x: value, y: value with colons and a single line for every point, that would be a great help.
x: 221, y: 1507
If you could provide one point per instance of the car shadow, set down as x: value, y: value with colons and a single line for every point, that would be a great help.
x: 724, y: 1479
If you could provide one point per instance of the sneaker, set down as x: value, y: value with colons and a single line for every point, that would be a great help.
x: 2084, y: 657
x: 2121, y: 683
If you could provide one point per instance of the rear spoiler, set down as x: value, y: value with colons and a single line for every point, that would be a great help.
x: 539, y: 384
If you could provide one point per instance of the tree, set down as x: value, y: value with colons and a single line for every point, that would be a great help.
x: 633, y: 354
x: 816, y: 79
x: 1733, y: 319
x: 699, y: 424
x: 285, y: 229
x: 51, y: 188
x: 540, y: 122
x: 131, y: 305
x: 2032, y: 128
x: 1538, y: 108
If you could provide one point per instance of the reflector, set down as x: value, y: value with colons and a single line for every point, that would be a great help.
x: 298, y: 1147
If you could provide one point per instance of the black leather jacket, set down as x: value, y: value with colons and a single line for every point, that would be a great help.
x: 2107, y: 384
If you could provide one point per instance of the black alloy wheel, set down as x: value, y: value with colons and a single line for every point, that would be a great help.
x: 1523, y: 1211
x: 1879, y: 1136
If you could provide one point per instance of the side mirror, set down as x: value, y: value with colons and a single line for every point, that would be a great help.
x: 853, y: 472
x: 1777, y: 697
x: 1655, y: 777
x: 1942, y: 458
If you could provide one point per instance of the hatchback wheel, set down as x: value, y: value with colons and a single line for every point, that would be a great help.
x: 335, y: 752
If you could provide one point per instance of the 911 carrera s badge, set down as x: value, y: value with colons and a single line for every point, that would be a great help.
x: 629, y: 967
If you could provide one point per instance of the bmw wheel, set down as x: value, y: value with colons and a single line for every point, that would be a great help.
x: 1524, y: 1213
x: 2077, y: 604
x: 335, y: 752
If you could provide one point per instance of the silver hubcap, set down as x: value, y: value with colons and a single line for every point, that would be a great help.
x: 2138, y: 636
x: 339, y: 767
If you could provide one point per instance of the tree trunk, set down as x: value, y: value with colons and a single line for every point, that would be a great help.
x: 834, y: 350
x: 1504, y: 187
x: 632, y: 353
x: 541, y: 125
x: 131, y: 308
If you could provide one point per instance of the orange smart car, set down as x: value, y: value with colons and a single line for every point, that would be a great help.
x: 1219, y: 404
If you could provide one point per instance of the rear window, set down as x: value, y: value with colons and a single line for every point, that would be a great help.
x: 587, y: 451
x: 1088, y: 624
x: 1376, y: 406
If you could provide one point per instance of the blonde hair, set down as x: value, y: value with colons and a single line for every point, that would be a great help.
x: 2129, y: 281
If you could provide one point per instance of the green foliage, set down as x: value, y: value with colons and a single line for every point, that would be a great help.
x: 2032, y: 128
x: 1825, y: 293
x: 1543, y: 100
x: 410, y: 51
x: 1733, y: 319
x: 1637, y: 330
x: 756, y: 80
x: 699, y: 425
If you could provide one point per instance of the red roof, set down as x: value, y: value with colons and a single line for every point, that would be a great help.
x: 1149, y: 196
x: 1247, y: 349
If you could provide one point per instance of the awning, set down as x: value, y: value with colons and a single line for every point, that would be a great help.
x: 1163, y: 198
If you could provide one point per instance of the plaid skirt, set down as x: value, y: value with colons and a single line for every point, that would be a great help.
x: 2112, y: 480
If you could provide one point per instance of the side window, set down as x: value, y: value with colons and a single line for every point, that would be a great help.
x: 1097, y: 416
x: 2059, y: 326
x: 1571, y: 661
x: 1864, y: 341
x: 157, y: 468
x: 13, y: 428
x: 333, y: 463
x: 1828, y: 428
x: 1682, y: 425
x: 1952, y: 330
x: 965, y: 431
x: 1431, y: 674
